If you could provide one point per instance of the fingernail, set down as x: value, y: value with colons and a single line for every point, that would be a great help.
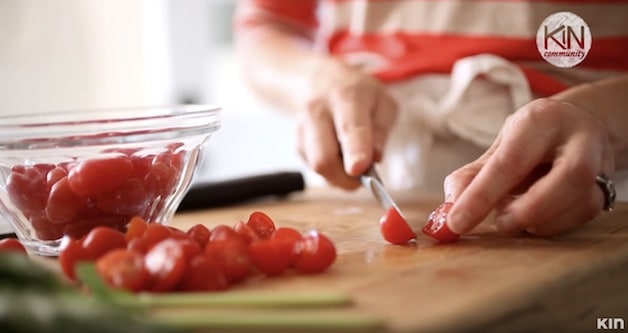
x: 352, y: 161
x: 505, y: 222
x: 459, y: 222
x: 448, y: 188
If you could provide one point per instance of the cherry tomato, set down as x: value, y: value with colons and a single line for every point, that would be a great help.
x: 84, y: 223
x: 71, y: 254
x: 316, y: 253
x: 141, y: 165
x: 436, y: 226
x: 395, y: 228
x: 232, y: 256
x: 101, y: 240
x: 246, y: 232
x: 269, y: 257
x: 190, y: 247
x: 166, y: 263
x: 287, y: 234
x: 45, y: 230
x: 203, y: 274
x: 63, y: 205
x: 155, y: 233
x: 44, y: 168
x: 123, y: 269
x: 288, y: 238
x: 178, y: 233
x: 129, y: 198
x: 138, y: 244
x: 26, y: 187
x: 135, y: 228
x: 54, y: 176
x: 11, y: 245
x: 263, y: 225
x: 161, y: 177
x: 224, y: 232
x: 200, y: 234
x: 96, y: 176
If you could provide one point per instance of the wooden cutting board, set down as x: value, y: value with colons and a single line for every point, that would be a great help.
x: 485, y: 282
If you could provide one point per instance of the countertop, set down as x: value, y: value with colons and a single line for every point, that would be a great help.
x: 484, y: 282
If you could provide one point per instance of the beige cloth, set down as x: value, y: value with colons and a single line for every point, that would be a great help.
x: 447, y: 121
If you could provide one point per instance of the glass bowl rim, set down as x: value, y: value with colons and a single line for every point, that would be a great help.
x: 113, y: 114
x: 143, y: 122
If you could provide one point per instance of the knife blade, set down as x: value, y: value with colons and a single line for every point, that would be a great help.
x: 371, y: 180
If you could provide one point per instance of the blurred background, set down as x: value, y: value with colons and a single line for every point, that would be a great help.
x: 75, y: 54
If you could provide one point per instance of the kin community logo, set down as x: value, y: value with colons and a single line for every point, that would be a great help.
x: 563, y: 39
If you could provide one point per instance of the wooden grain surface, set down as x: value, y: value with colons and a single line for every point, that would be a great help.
x: 485, y: 282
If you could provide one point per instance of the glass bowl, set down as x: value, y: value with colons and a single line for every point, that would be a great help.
x: 65, y: 173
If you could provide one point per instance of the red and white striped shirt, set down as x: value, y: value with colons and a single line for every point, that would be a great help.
x: 398, y: 39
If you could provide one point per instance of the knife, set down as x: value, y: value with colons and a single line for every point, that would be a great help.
x: 239, y: 190
x: 371, y: 180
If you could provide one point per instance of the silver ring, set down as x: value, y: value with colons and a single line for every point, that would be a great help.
x: 608, y: 188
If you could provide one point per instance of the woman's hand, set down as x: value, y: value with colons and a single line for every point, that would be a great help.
x: 539, y: 174
x: 343, y: 122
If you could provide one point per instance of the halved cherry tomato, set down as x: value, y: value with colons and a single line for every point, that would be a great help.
x: 232, y: 256
x: 71, y: 254
x: 123, y: 269
x: 96, y: 176
x: 316, y: 253
x: 12, y: 245
x: 436, y: 226
x: 166, y: 263
x: 101, y: 240
x: 135, y: 228
x: 246, y: 232
x: 395, y: 228
x: 200, y: 234
x: 263, y: 225
x: 270, y: 257
x: 203, y: 274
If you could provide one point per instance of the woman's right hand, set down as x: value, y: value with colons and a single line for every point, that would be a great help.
x: 343, y: 122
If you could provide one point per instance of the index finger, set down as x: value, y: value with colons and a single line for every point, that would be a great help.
x: 352, y: 114
x: 519, y: 151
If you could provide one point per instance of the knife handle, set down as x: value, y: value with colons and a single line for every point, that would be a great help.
x: 228, y: 192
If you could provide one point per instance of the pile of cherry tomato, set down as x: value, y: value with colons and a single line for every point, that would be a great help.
x: 157, y: 258
x: 73, y: 197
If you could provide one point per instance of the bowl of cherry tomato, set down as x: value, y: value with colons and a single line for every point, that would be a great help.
x: 66, y: 173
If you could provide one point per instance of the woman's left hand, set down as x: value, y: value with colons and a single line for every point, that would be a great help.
x: 539, y: 175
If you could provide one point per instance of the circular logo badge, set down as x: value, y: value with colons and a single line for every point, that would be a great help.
x: 563, y: 39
